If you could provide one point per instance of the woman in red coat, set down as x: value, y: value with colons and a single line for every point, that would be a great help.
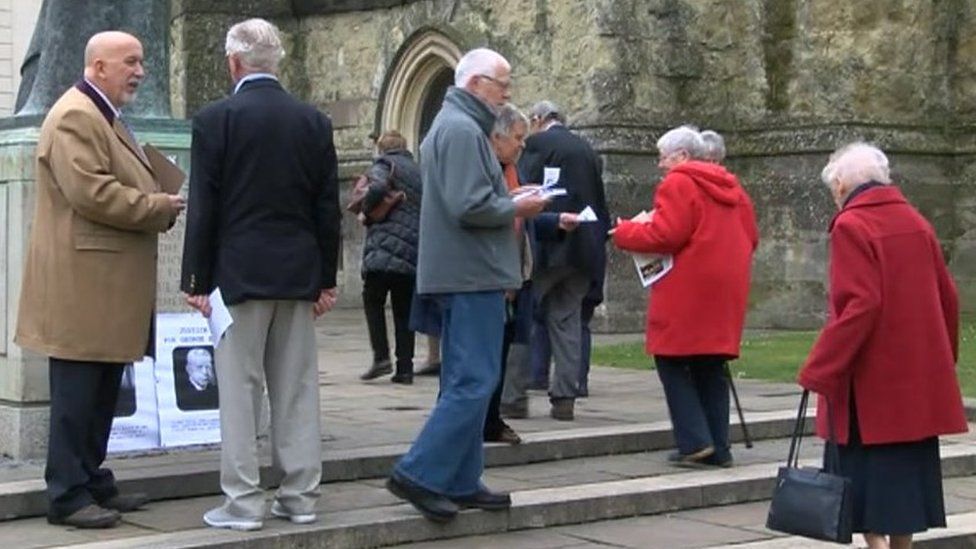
x: 704, y: 218
x: 885, y: 361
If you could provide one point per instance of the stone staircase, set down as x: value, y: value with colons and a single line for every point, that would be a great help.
x: 596, y: 478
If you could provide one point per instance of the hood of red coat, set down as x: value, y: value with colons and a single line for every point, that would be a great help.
x: 714, y: 179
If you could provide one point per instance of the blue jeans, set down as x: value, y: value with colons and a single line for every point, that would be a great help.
x: 447, y: 457
x: 697, y: 393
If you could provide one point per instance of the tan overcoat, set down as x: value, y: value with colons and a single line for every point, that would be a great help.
x: 89, y: 284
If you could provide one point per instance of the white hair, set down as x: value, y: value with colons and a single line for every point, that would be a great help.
x: 854, y: 164
x: 714, y: 146
x: 508, y: 117
x: 479, y: 61
x: 683, y: 138
x: 257, y: 43
x: 198, y: 357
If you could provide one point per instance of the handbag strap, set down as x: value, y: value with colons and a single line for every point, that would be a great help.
x: 832, y: 452
x: 793, y: 458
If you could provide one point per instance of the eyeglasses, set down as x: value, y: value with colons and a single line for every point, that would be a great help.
x: 501, y: 84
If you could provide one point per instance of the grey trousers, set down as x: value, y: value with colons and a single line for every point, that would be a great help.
x: 562, y: 291
x: 270, y: 342
x: 516, y: 377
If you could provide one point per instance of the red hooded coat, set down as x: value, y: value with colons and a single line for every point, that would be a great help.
x: 704, y: 218
x: 892, y: 329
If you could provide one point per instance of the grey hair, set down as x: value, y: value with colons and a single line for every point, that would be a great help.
x: 507, y: 117
x: 547, y: 110
x: 856, y: 163
x: 479, y: 61
x: 714, y: 150
x: 257, y: 43
x: 683, y: 138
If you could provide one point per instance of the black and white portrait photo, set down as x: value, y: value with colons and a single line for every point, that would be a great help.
x: 195, y: 378
x: 125, y: 406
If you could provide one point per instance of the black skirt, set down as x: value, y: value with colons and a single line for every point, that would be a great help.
x: 896, y: 488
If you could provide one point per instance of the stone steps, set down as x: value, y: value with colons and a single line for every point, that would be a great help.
x: 163, y: 477
x: 580, y: 490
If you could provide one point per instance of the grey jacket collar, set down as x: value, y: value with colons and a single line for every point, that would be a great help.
x: 470, y: 105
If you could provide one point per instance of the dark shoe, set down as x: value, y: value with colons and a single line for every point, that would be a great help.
x: 432, y: 506
x: 432, y: 369
x: 89, y: 516
x: 694, y: 460
x: 505, y: 434
x: 562, y: 409
x: 514, y: 411
x: 726, y: 463
x: 403, y: 379
x: 485, y: 499
x: 378, y: 369
x: 125, y: 503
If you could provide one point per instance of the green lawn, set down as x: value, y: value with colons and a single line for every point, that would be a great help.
x: 776, y: 356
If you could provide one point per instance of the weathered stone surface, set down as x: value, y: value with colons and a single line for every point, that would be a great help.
x: 786, y: 82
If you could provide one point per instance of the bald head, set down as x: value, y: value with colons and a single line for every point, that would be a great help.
x: 113, y: 62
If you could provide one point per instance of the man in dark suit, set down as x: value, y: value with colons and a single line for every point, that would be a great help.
x: 565, y: 270
x: 263, y: 228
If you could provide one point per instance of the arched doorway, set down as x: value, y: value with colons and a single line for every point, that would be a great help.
x: 416, y: 86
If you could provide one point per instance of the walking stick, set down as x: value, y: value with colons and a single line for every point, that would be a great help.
x: 742, y: 419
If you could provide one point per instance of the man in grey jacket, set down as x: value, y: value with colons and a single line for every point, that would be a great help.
x: 468, y: 257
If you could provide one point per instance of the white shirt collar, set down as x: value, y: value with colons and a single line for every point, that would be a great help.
x: 101, y: 94
x: 254, y: 76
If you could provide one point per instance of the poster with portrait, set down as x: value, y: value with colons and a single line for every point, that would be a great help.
x: 136, y: 422
x: 186, y: 381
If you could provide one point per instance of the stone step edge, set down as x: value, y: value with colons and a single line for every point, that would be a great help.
x: 540, y: 508
x: 960, y: 531
x: 26, y: 498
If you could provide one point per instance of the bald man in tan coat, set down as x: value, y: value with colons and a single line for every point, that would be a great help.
x: 90, y: 278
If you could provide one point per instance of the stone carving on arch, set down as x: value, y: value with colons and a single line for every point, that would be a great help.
x: 423, y: 60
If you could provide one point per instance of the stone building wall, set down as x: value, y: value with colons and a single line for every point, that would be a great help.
x: 786, y: 81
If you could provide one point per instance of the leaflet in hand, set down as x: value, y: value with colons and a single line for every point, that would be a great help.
x: 650, y: 267
x: 219, y: 319
x: 587, y: 215
x: 550, y: 176
x: 544, y: 192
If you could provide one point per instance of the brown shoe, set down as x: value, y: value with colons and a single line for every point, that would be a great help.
x: 89, y: 516
x: 562, y: 409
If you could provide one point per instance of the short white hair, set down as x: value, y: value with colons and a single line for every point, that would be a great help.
x: 479, y: 61
x: 507, y: 117
x: 714, y: 146
x: 198, y: 356
x: 683, y: 138
x: 856, y: 163
x: 257, y: 43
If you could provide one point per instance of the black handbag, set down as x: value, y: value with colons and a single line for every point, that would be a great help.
x: 810, y: 502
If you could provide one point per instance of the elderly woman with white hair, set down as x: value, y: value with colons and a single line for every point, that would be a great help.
x: 704, y: 218
x: 884, y: 363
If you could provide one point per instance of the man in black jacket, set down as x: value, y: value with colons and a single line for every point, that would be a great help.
x: 565, y: 270
x: 264, y: 230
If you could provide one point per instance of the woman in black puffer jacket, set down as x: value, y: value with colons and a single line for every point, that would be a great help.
x: 390, y: 256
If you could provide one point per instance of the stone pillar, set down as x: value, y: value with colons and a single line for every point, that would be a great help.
x: 24, y: 395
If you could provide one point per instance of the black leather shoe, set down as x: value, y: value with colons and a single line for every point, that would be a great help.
x: 125, y: 503
x: 432, y: 506
x: 485, y: 499
x: 89, y: 516
x: 403, y: 379
x: 378, y: 369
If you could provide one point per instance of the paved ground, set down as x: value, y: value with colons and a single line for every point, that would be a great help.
x: 358, y: 415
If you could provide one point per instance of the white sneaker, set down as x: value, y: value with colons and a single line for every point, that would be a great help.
x: 279, y: 511
x: 220, y: 518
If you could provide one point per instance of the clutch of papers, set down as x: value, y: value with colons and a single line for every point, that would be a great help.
x: 650, y: 267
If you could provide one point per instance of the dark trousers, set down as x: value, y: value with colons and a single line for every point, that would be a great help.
x: 83, y: 397
x: 493, y: 420
x: 697, y: 393
x: 376, y: 285
x: 541, y: 349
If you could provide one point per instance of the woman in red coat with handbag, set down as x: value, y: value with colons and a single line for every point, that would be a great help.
x: 885, y: 361
x: 695, y: 314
